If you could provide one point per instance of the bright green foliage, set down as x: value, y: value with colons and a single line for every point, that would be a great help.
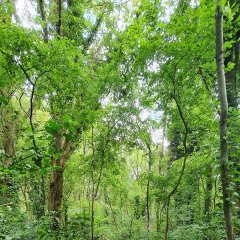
x: 122, y: 103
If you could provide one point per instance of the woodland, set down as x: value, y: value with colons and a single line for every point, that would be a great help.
x: 119, y: 119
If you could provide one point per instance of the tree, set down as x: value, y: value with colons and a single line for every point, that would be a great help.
x: 223, y: 121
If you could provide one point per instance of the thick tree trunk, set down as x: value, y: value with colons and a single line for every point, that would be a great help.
x: 55, y: 197
x: 8, y: 130
x: 223, y: 121
x: 55, y: 191
x: 8, y: 118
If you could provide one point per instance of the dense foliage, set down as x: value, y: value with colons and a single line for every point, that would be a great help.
x: 119, y: 119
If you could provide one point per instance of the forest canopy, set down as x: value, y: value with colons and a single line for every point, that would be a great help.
x: 119, y: 119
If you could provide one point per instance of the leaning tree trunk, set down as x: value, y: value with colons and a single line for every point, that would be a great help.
x: 223, y: 121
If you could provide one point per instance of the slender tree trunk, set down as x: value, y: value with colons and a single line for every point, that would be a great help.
x: 41, y: 8
x: 148, y: 205
x: 208, y: 195
x: 161, y: 156
x: 223, y: 121
x: 37, y: 196
x: 113, y: 214
x: 167, y: 219
x: 59, y: 18
x: 148, y: 187
x: 93, y: 212
x: 232, y: 56
x: 93, y: 185
x: 65, y: 206
x: 37, y: 182
x: 158, y: 217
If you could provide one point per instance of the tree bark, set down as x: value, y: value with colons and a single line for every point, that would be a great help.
x: 161, y: 156
x: 150, y: 160
x: 41, y: 7
x: 167, y: 218
x: 223, y: 121
x: 208, y: 195
x: 232, y: 56
x: 55, y: 192
x: 8, y: 131
x: 59, y: 17
x: 8, y: 140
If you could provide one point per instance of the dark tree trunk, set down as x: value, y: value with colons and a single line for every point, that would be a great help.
x: 55, y: 197
x: 158, y: 217
x: 41, y: 8
x: 59, y: 18
x: 167, y: 218
x: 55, y: 191
x: 208, y: 195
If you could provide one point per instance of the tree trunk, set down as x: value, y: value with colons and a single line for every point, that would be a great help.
x: 55, y: 192
x: 167, y: 219
x: 161, y: 156
x: 41, y: 9
x: 223, y: 121
x: 59, y: 18
x: 158, y: 217
x: 8, y: 130
x: 55, y: 196
x: 232, y: 56
x: 208, y: 195
x: 148, y: 205
x: 93, y: 208
x: 8, y: 145
x: 8, y: 140
x: 148, y: 187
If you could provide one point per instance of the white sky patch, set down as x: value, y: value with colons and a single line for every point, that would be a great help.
x: 153, y: 66
x: 157, y: 136
x: 26, y: 11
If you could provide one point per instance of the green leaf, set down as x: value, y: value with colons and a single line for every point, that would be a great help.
x: 3, y: 100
